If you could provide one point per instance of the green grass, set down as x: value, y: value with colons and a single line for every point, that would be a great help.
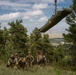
x: 48, y: 70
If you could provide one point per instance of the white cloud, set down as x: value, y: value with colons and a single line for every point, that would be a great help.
x: 29, y: 15
x: 43, y: 19
x: 51, y: 1
x: 26, y: 17
x: 41, y: 1
x: 13, y: 5
x: 37, y: 4
x: 40, y: 6
x: 31, y: 20
x: 10, y: 16
x: 33, y: 14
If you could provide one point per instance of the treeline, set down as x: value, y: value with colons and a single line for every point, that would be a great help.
x: 15, y: 39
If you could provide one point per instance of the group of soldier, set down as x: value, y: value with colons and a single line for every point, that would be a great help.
x: 18, y: 61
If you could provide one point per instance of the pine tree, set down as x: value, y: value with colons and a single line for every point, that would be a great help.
x: 71, y: 36
x: 47, y: 48
x: 1, y: 40
x: 18, y: 35
x: 39, y: 43
x: 35, y: 40
x: 2, y: 51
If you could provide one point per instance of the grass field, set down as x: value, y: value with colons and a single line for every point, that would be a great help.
x: 48, y: 70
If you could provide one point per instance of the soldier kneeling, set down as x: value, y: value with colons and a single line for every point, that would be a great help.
x: 11, y: 62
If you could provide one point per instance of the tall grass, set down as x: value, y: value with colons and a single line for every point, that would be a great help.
x: 48, y: 70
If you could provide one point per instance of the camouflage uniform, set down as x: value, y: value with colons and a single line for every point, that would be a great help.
x: 41, y: 59
x: 29, y: 59
x: 11, y: 61
x: 22, y: 61
x: 16, y: 60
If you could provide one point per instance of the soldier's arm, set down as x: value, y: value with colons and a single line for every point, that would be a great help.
x: 32, y: 58
x: 8, y: 62
x: 26, y: 57
x: 37, y: 58
x: 44, y: 57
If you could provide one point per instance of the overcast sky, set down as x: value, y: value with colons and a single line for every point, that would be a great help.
x: 34, y: 13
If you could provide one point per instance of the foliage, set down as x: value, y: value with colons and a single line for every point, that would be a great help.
x: 18, y: 35
x: 47, y: 48
x: 71, y: 36
x: 15, y: 39
x: 35, y: 40
x: 40, y: 43
x: 48, y: 70
x: 59, y: 53
x: 2, y: 52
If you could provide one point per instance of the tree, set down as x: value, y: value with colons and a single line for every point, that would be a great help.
x: 40, y: 44
x: 1, y: 41
x: 59, y: 53
x: 2, y: 44
x: 71, y: 36
x: 18, y: 35
x: 6, y: 35
x: 47, y: 48
x: 35, y: 40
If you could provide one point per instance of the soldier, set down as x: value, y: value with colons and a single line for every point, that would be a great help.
x: 29, y: 59
x: 16, y: 60
x: 22, y: 61
x: 11, y: 61
x: 41, y: 59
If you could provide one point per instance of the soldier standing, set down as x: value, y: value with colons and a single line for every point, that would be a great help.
x: 29, y: 59
x: 22, y: 61
x: 16, y: 60
x: 41, y: 60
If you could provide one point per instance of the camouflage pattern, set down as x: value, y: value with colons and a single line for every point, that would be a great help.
x: 29, y: 59
x: 22, y: 61
x: 41, y: 59
x: 16, y: 60
x: 11, y: 61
